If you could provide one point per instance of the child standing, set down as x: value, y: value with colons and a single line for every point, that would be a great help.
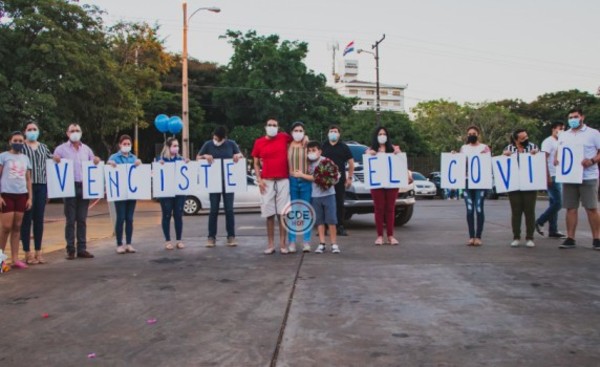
x: 323, y: 197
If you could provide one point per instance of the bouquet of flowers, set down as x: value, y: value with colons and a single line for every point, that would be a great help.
x: 326, y: 174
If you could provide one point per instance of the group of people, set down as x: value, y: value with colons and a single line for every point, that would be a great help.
x: 568, y: 195
x: 285, y: 164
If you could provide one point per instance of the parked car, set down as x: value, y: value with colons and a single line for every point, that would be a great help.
x: 435, y: 178
x: 358, y: 198
x: 423, y: 187
x: 243, y: 200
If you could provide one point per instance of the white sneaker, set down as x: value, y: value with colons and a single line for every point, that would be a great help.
x: 130, y: 249
x: 530, y: 243
x: 335, y: 249
x: 120, y: 249
x: 306, y: 247
x: 515, y: 243
x: 292, y: 248
x: 320, y: 249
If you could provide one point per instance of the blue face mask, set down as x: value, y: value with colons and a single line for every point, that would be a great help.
x: 574, y: 123
x: 333, y: 136
x: 32, y: 135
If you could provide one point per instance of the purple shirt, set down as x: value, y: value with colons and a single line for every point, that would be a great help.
x: 67, y: 151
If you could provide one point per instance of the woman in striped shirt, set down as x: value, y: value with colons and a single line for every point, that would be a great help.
x: 37, y: 153
x: 300, y: 189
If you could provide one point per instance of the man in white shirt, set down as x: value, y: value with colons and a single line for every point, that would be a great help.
x: 587, y: 191
x: 550, y: 147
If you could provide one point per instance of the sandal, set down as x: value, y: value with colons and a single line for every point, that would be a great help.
x: 169, y: 246
x: 471, y: 242
x: 477, y: 242
x: 393, y: 241
x: 379, y: 241
x: 283, y: 251
x: 269, y: 251
x: 30, y: 259
x: 19, y: 265
x: 39, y: 258
x: 180, y: 245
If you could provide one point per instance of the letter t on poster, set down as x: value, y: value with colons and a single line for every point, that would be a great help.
x: 453, y: 170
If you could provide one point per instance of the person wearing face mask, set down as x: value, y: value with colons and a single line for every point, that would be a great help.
x: 37, y: 153
x: 340, y: 154
x: 384, y: 200
x: 124, y: 208
x: 171, y: 207
x: 585, y: 192
x: 522, y: 202
x: 219, y: 147
x: 76, y: 208
x: 15, y: 195
x: 272, y: 173
x: 474, y: 198
x: 550, y: 147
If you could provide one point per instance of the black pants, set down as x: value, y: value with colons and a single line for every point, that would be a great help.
x: 76, y: 211
x: 340, y: 193
x: 35, y: 215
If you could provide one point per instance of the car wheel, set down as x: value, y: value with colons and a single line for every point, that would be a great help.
x: 191, y: 205
x: 403, y: 215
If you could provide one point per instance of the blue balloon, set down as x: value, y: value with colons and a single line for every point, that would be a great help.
x: 161, y: 122
x: 175, y: 125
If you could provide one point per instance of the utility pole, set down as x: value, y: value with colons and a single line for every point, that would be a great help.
x: 334, y: 46
x: 136, y: 144
x: 378, y: 107
x: 185, y: 104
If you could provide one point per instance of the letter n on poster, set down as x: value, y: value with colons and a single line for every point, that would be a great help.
x: 453, y: 170
x: 60, y: 178
x: 115, y: 180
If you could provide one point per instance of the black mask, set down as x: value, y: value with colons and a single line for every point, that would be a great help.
x: 472, y: 139
x: 17, y: 147
x: 525, y: 143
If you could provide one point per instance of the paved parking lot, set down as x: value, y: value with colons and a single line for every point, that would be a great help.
x: 432, y: 301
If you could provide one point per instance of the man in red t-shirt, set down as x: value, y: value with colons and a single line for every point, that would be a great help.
x: 271, y: 152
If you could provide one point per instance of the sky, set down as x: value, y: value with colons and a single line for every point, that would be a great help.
x: 458, y: 50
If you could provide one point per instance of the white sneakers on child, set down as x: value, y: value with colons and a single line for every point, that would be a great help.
x: 335, y: 249
x: 320, y: 249
x: 306, y: 247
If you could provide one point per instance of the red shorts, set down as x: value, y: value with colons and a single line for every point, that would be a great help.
x: 14, y: 203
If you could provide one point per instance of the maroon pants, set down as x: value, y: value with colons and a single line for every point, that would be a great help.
x: 384, y: 201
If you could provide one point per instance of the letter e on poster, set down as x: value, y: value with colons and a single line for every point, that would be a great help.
x: 234, y: 175
x: 93, y: 180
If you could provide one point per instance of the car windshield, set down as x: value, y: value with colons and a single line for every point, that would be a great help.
x: 357, y: 152
x: 419, y: 177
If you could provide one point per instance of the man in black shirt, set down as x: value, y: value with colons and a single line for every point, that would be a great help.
x: 340, y: 154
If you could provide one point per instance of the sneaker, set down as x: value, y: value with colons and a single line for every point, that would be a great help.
x: 567, y: 244
x: 85, y: 255
x: 320, y: 249
x: 306, y: 248
x: 231, y: 241
x: 130, y: 249
x: 515, y: 243
x: 70, y: 256
x: 335, y: 249
x: 211, y: 242
x: 530, y: 244
x: 292, y: 248
x: 539, y: 229
x: 596, y: 244
x: 120, y: 249
x: 557, y: 235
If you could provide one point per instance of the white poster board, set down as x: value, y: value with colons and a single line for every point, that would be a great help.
x: 569, y: 169
x: 385, y: 171
x: 163, y: 180
x: 532, y: 172
x: 234, y: 175
x: 453, y: 171
x: 185, y: 176
x: 138, y: 185
x: 92, y: 180
x: 479, y: 168
x: 60, y: 178
x: 506, y: 173
x: 210, y: 176
x: 115, y: 181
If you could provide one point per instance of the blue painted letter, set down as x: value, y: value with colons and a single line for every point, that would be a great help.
x: 113, y: 183
x: 471, y: 171
x: 564, y: 169
x: 229, y: 174
x: 505, y: 178
x: 205, y: 166
x: 392, y: 181
x: 61, y: 181
x: 452, y: 163
x: 131, y: 189
x: 90, y: 193
x: 183, y: 171
x: 371, y: 171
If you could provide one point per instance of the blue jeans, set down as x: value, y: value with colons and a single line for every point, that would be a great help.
x: 172, y: 207
x: 35, y: 215
x: 213, y: 215
x: 474, y: 200
x: 125, y: 210
x: 300, y: 190
x: 555, y: 203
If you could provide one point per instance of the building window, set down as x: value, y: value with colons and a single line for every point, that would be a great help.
x: 368, y: 103
x: 384, y: 92
x: 384, y: 103
x: 397, y: 104
x: 370, y: 92
x: 396, y: 93
x: 353, y: 91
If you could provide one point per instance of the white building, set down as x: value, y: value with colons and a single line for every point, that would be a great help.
x: 391, y: 96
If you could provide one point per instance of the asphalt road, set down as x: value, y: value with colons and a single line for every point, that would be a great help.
x: 432, y: 301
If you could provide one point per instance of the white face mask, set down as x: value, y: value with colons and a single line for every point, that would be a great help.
x: 126, y: 149
x: 312, y: 156
x: 218, y: 143
x: 382, y: 139
x: 75, y: 137
x: 298, y: 136
x: 271, y: 131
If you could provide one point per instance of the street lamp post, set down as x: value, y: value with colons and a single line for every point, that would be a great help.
x: 185, y: 103
x: 377, y: 96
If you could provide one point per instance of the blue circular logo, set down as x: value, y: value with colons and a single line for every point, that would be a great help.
x: 298, y: 217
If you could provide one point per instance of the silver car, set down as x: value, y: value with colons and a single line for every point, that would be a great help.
x: 243, y: 200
